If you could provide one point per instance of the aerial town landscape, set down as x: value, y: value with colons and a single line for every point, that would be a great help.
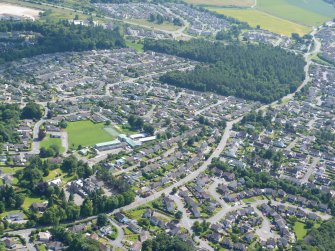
x: 167, y: 125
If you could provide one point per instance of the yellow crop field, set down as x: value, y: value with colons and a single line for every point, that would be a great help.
x: 266, y: 21
x: 237, y: 3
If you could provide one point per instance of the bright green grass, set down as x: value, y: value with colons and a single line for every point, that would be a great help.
x: 136, y: 46
x: 53, y: 174
x: 9, y: 212
x: 30, y: 200
x: 136, y: 214
x: 48, y: 141
x: 300, y: 230
x: 305, y: 12
x: 112, y: 131
x: 10, y: 169
x: 86, y: 133
x: 41, y: 247
x: 266, y: 21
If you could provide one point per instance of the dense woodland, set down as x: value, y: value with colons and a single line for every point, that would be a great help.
x: 322, y: 239
x: 60, y: 37
x: 9, y: 119
x: 256, y: 72
x: 165, y: 242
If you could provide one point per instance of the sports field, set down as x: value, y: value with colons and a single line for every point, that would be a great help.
x: 220, y: 3
x: 254, y: 17
x: 87, y: 133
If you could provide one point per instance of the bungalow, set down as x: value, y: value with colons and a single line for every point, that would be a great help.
x: 14, y: 217
x: 10, y: 243
x: 55, y: 246
x: 134, y: 228
x: 169, y: 204
x: 214, y: 237
x: 44, y: 236
x: 227, y: 243
x: 39, y: 206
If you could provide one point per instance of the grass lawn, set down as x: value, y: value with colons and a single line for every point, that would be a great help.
x: 305, y: 12
x: 266, y: 21
x: 136, y: 214
x: 239, y: 3
x: 86, y: 133
x: 249, y: 200
x: 41, y: 247
x: 53, y: 174
x: 136, y: 46
x: 9, y: 212
x: 30, y: 200
x: 48, y: 141
x: 10, y: 169
x: 300, y: 230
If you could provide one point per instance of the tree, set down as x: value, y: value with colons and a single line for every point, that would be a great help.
x: 163, y: 242
x: 70, y: 164
x: 102, y: 220
x: 149, y: 129
x: 62, y: 124
x: 179, y: 215
x: 53, y: 215
x: 41, y: 134
x: 87, y: 208
x: 32, y: 111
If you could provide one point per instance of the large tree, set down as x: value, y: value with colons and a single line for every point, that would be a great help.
x: 32, y: 111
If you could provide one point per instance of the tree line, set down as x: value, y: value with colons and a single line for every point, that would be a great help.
x: 60, y: 208
x: 60, y: 37
x: 322, y: 238
x: 255, y: 72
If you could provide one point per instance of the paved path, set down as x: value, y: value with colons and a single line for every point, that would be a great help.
x: 310, y: 170
x: 117, y: 243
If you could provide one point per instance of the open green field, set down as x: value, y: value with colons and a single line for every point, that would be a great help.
x: 300, y: 230
x: 48, y: 141
x: 305, y: 12
x: 268, y: 22
x: 283, y: 16
x: 220, y: 3
x: 87, y: 133
x: 136, y: 46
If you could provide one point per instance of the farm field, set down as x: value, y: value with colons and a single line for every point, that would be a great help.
x: 268, y: 22
x: 220, y: 3
x: 48, y: 141
x: 307, y: 12
x: 15, y: 10
x: 50, y: 13
x: 86, y: 133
